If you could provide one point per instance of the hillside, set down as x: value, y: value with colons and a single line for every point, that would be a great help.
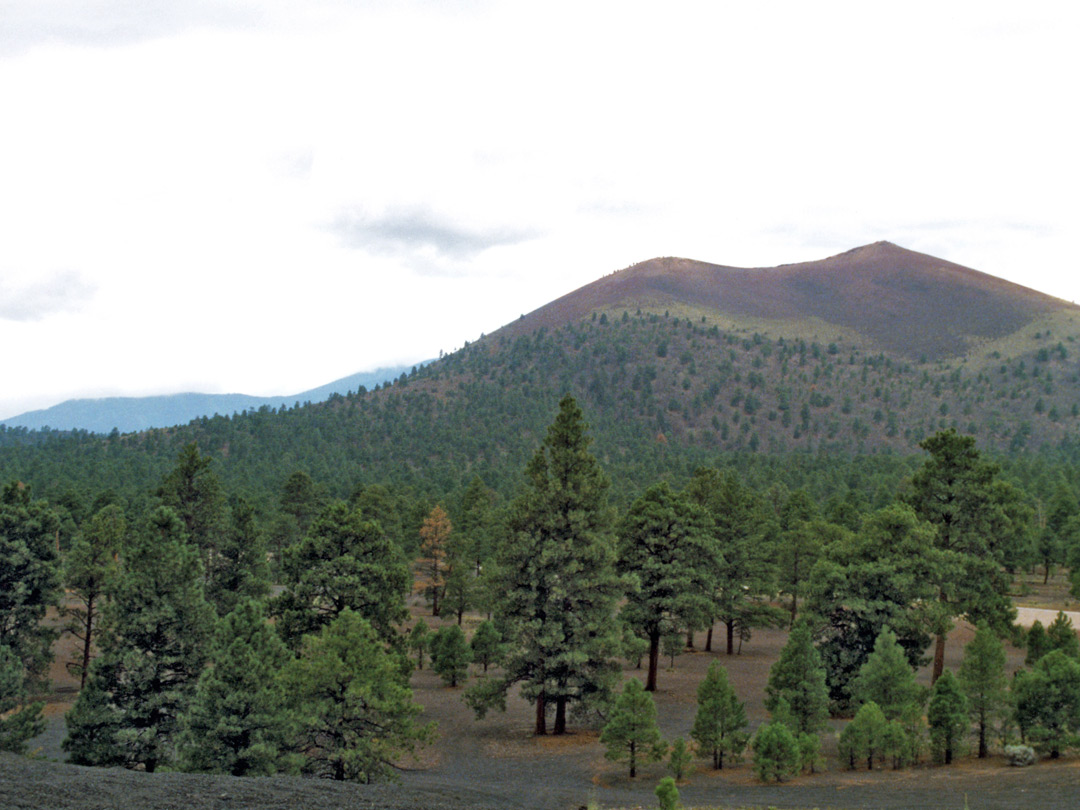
x: 675, y: 363
x: 129, y: 414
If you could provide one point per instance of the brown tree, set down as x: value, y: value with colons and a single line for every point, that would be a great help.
x: 433, y: 536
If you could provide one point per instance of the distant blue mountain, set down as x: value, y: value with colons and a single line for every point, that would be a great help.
x: 130, y: 414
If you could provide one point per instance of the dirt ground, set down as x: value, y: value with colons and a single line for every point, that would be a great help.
x: 497, y: 763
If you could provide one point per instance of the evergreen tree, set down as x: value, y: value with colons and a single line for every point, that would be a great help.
x: 419, y: 641
x: 776, y: 753
x: 744, y: 545
x: 1037, y: 642
x: 954, y: 490
x: 450, y: 654
x: 345, y: 561
x: 238, y: 568
x: 28, y: 577
x: 19, y: 720
x: 153, y: 648
x: 680, y: 758
x: 798, y: 678
x: 558, y: 586
x: 237, y: 721
x: 193, y: 490
x: 947, y: 715
x: 1061, y: 636
x: 888, y: 680
x: 880, y: 576
x: 720, y: 723
x: 667, y: 794
x: 487, y: 644
x: 434, y: 535
x: 983, y: 681
x: 865, y: 737
x: 666, y: 543
x: 631, y: 732
x: 1047, y: 700
x: 89, y: 570
x: 352, y: 704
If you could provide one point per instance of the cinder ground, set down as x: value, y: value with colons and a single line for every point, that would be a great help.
x: 497, y: 763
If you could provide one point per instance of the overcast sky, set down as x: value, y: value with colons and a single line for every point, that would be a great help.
x: 261, y: 197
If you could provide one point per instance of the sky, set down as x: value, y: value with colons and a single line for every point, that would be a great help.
x: 261, y: 197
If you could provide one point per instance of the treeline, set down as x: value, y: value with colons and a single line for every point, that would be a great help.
x: 183, y: 667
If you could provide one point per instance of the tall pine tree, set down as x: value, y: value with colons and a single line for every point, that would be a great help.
x: 558, y: 582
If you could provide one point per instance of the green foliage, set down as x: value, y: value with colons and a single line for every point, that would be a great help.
x: 193, y: 490
x: 667, y: 794
x: 344, y: 562
x: 680, y: 758
x: 451, y: 654
x: 352, y: 706
x: 558, y: 587
x: 1062, y: 636
x: 888, y: 680
x: 947, y: 715
x: 90, y: 569
x: 810, y: 758
x: 419, y: 640
x: 864, y: 738
x: 798, y: 678
x: 666, y: 544
x: 631, y: 732
x: 487, y: 645
x: 1047, y: 700
x: 879, y: 577
x: 238, y: 568
x: 153, y: 647
x: 776, y: 753
x: 19, y: 720
x: 237, y: 722
x: 983, y: 682
x: 28, y: 577
x: 720, y: 722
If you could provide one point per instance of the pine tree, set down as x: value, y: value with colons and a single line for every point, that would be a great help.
x: 888, y: 680
x: 798, y: 678
x: 680, y: 758
x: 19, y: 720
x: 237, y: 721
x: 776, y: 753
x: 238, y: 568
x: 1047, y: 700
x: 558, y: 586
x: 28, y: 577
x: 666, y: 543
x: 1037, y: 642
x: 487, y: 644
x: 744, y: 542
x: 1061, y: 636
x: 720, y: 722
x: 89, y: 570
x: 193, y: 490
x: 865, y: 737
x: 352, y: 704
x: 345, y: 561
x: 419, y: 641
x: 434, y: 535
x: 450, y: 654
x: 153, y: 648
x: 955, y: 491
x: 631, y: 732
x: 983, y: 681
x: 947, y: 715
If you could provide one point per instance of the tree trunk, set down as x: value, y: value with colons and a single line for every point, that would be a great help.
x: 560, y: 715
x: 633, y: 760
x: 939, y: 658
x: 654, y: 660
x: 982, y: 739
x: 690, y: 638
x: 708, y: 640
x: 730, y: 637
x: 1046, y: 576
x: 541, y: 715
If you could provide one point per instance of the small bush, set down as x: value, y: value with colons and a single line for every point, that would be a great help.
x: 1020, y: 755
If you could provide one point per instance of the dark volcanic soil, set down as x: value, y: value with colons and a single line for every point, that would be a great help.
x: 495, y: 764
